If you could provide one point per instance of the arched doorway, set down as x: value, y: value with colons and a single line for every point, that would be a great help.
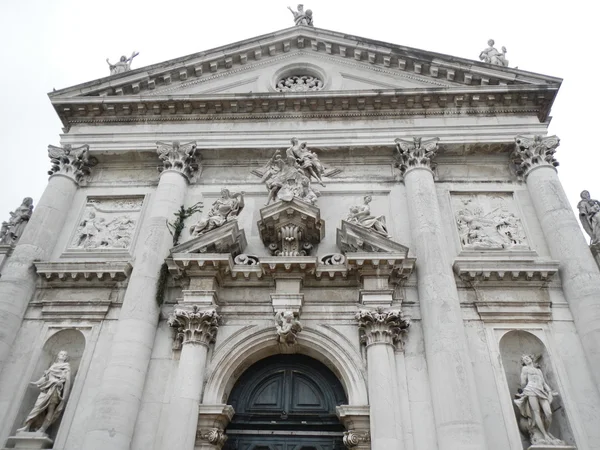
x: 286, y: 402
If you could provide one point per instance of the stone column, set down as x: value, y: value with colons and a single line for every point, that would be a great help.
x: 70, y: 166
x: 578, y: 271
x: 456, y: 408
x: 195, y: 329
x: 116, y: 406
x: 380, y: 331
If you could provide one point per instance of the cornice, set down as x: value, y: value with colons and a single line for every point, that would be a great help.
x: 516, y: 99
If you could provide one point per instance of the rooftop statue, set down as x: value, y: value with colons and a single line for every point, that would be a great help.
x: 534, y: 400
x: 224, y: 209
x: 54, y: 385
x: 12, y: 230
x: 302, y: 17
x: 492, y: 56
x: 589, y: 214
x: 123, y: 65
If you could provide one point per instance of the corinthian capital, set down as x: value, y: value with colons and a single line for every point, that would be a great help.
x: 182, y: 158
x: 416, y: 153
x: 381, y: 327
x: 194, y: 326
x: 72, y: 162
x: 533, y: 152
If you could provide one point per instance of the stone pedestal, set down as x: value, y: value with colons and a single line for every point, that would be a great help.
x: 116, y: 405
x: 458, y: 423
x: 29, y: 440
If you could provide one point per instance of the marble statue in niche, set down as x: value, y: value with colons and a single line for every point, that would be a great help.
x: 361, y: 215
x: 486, y: 222
x: 534, y: 402
x: 123, y: 65
x: 54, y: 386
x: 224, y: 209
x: 107, y: 224
x: 302, y: 17
x: 12, y: 230
x: 291, y: 177
x: 492, y: 56
x: 589, y: 214
x: 287, y: 327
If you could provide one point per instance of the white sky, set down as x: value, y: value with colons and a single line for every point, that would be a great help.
x: 59, y: 43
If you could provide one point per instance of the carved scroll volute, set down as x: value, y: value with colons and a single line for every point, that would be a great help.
x: 382, y: 327
x: 181, y: 158
x: 194, y: 326
x: 415, y: 154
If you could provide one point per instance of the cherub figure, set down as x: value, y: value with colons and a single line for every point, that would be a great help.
x: 124, y: 64
x: 287, y: 327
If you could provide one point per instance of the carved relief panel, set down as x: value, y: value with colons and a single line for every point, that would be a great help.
x: 488, y: 221
x: 107, y: 224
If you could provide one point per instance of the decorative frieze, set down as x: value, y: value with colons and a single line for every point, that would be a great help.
x: 415, y: 154
x: 194, y: 326
x: 73, y: 162
x: 182, y: 158
x: 533, y: 152
x: 487, y: 221
x: 107, y: 223
x: 381, y: 327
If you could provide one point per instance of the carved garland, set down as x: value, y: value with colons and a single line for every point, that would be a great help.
x: 299, y: 83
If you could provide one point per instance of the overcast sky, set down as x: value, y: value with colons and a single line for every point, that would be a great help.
x: 59, y: 43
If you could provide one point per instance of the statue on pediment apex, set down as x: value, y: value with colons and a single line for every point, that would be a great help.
x: 361, y: 215
x: 223, y: 210
x: 492, y: 56
x: 123, y: 65
x: 302, y: 17
x: 589, y: 214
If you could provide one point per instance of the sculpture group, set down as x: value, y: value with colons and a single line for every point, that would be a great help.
x: 12, y: 230
x: 302, y: 17
x: 95, y: 232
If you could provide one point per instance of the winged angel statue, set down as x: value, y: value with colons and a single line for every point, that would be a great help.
x: 287, y: 327
x: 415, y: 153
x: 71, y: 160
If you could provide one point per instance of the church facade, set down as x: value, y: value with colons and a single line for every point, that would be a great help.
x: 347, y: 244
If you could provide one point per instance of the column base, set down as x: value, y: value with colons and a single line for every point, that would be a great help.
x: 29, y: 440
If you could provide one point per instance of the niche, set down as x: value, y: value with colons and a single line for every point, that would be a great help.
x: 73, y: 342
x: 513, y: 346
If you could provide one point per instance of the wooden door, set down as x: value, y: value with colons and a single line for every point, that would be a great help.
x: 286, y: 402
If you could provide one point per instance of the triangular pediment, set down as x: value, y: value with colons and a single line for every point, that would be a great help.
x: 347, y: 63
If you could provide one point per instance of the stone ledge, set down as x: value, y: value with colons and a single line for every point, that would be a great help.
x: 104, y: 271
x: 505, y: 269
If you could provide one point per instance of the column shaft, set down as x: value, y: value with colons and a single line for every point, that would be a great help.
x: 386, y: 423
x: 17, y: 283
x: 457, y: 414
x: 117, y: 404
x: 579, y: 273
x: 183, y: 410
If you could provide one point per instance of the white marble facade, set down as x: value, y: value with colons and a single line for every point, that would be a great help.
x: 425, y: 329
